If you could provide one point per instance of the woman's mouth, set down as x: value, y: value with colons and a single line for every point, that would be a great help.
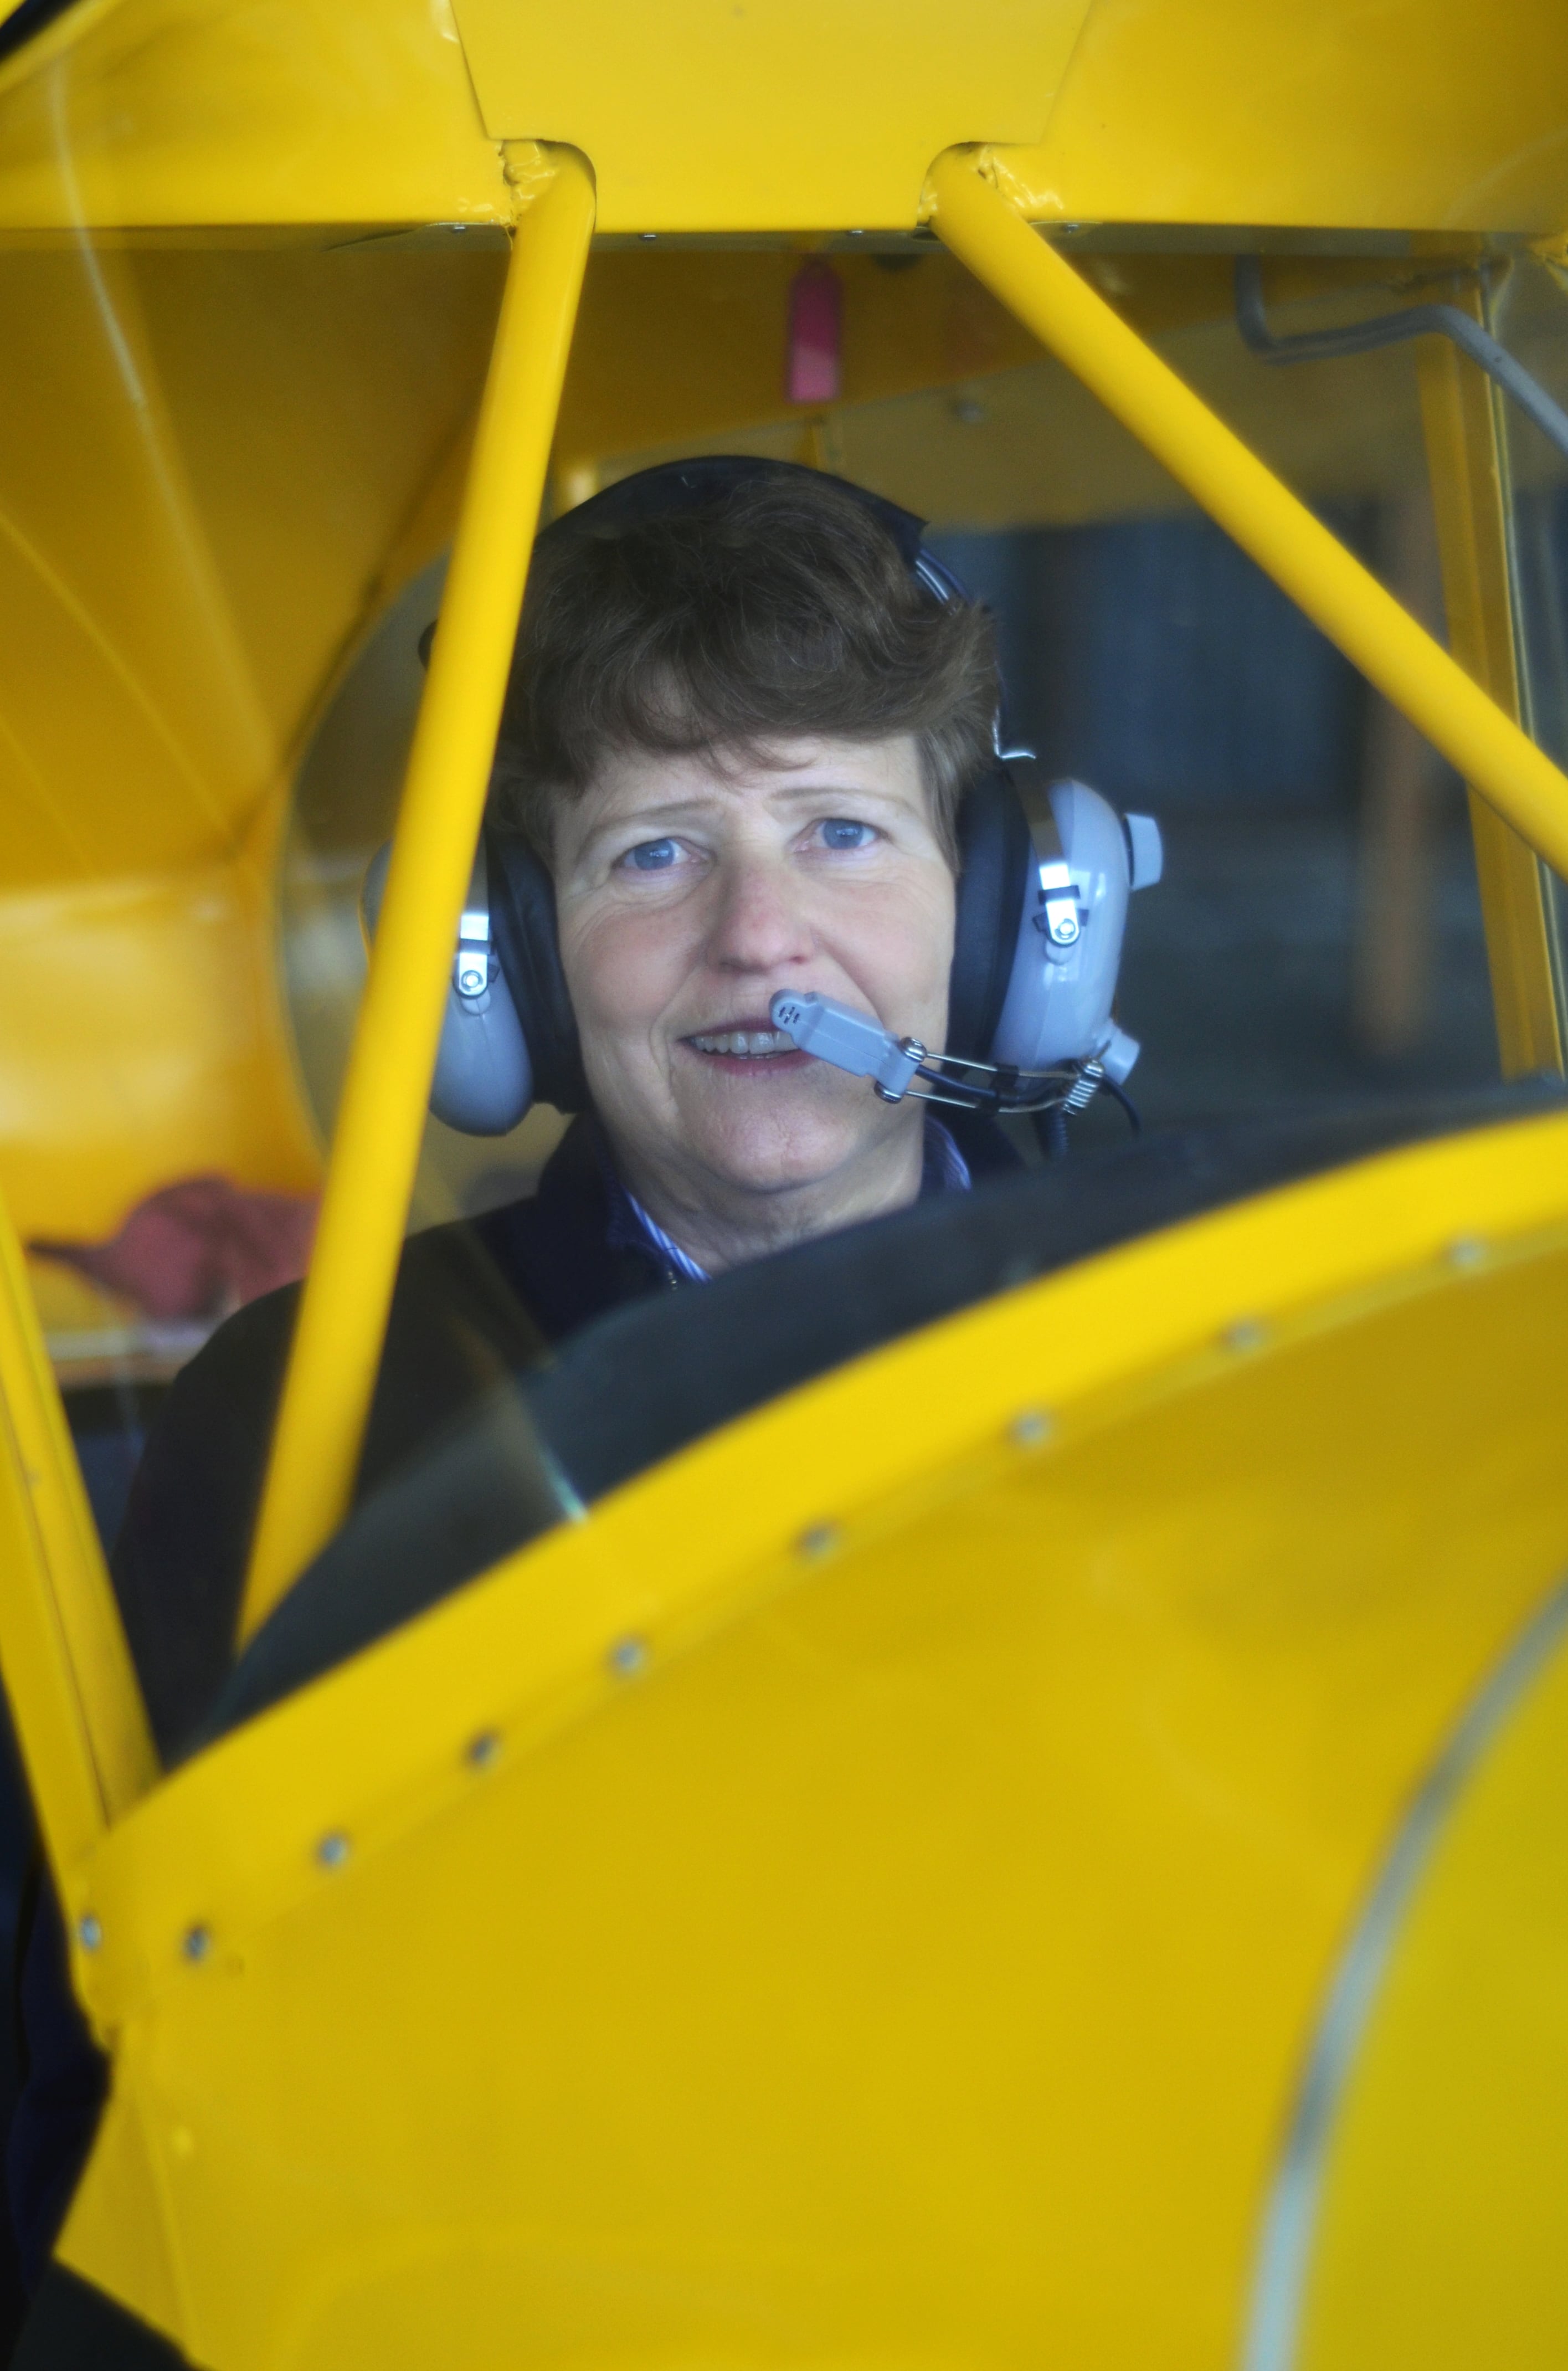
x: 753, y: 1050
x: 747, y: 1043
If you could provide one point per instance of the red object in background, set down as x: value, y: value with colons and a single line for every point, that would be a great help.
x: 816, y: 335
x: 198, y: 1249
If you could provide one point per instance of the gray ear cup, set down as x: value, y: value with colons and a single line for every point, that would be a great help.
x: 1087, y: 860
x: 484, y: 1079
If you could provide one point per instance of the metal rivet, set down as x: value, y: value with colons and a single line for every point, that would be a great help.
x: 1468, y: 1251
x: 1030, y: 1429
x: 89, y: 1934
x: 196, y: 1942
x: 333, y: 1850
x: 821, y: 1540
x: 1247, y: 1333
x: 484, y: 1750
x: 647, y: 236
x: 627, y: 1656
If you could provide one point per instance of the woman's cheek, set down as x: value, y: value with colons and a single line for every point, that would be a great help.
x: 898, y: 943
x: 620, y: 968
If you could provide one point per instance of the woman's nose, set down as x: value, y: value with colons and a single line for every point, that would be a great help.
x: 760, y: 922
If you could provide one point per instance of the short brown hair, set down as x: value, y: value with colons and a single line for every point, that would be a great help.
x: 781, y: 608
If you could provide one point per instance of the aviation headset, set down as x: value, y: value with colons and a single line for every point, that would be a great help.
x: 1042, y: 891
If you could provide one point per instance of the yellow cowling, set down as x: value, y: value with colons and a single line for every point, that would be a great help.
x: 869, y: 1893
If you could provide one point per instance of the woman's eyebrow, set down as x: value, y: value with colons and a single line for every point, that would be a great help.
x: 653, y: 819
x: 814, y: 794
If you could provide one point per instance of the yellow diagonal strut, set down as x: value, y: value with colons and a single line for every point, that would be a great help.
x: 1369, y: 625
x: 342, y: 1318
x: 79, y: 1715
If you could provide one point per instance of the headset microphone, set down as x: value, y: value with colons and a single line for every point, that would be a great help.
x: 853, y: 1041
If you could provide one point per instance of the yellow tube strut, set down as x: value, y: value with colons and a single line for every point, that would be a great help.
x: 79, y: 1715
x: 1369, y: 626
x: 343, y: 1317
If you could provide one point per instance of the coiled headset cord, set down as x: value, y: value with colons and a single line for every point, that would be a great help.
x: 1051, y: 1126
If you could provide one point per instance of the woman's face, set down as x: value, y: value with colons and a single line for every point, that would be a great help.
x: 689, y: 892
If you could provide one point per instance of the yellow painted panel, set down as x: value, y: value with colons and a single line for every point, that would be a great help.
x: 208, y: 461
x: 911, y: 1962
x: 1030, y: 446
x: 273, y: 111
x: 673, y: 342
x: 670, y: 1544
x: 205, y: 459
x: 777, y: 115
x: 787, y: 114
x: 1418, y: 114
x: 1436, y: 2243
x: 143, y: 1042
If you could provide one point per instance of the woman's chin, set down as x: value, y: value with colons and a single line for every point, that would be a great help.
x: 785, y: 1151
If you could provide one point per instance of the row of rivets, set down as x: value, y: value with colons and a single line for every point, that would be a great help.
x: 1251, y: 1333
x: 1031, y: 1428
x: 334, y: 1848
x: 625, y: 1657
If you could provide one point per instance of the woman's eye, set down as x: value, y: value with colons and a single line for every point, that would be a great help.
x: 653, y: 856
x: 839, y: 832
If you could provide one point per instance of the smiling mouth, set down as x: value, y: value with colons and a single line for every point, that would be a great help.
x: 747, y: 1043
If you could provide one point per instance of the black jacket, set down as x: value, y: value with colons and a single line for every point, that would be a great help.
x: 475, y: 1301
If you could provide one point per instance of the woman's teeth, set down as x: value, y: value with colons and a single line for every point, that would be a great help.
x: 746, y: 1041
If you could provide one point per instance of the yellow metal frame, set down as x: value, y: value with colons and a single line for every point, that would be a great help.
x: 1465, y: 453
x: 79, y: 1715
x: 343, y: 1317
x: 527, y: 1648
x: 1269, y: 522
x: 450, y: 1756
x: 332, y: 1369
x: 85, y: 1730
